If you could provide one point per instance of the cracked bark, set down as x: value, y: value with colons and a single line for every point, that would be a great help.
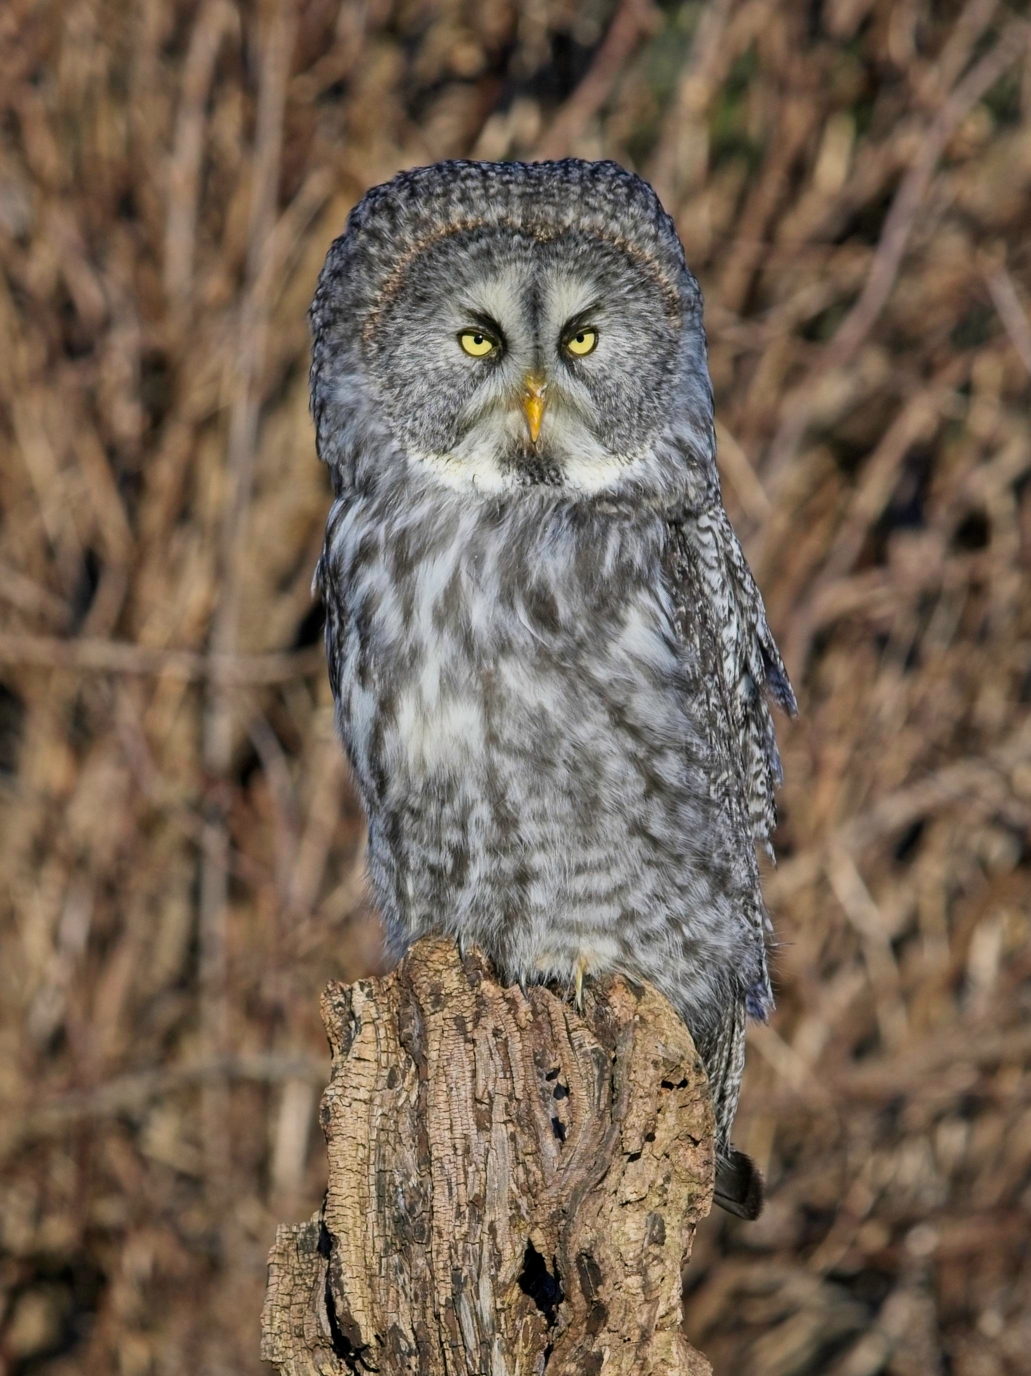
x: 513, y: 1186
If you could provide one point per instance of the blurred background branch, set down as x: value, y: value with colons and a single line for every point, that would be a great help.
x: 180, y: 852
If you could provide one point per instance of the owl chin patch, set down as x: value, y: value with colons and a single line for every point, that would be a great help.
x: 530, y: 469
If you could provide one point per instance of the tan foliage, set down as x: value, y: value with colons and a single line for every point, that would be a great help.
x: 179, y: 854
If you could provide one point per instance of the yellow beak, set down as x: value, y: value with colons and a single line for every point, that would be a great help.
x: 534, y: 400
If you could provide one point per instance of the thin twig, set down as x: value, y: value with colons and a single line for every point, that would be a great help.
x: 133, y: 1092
x: 632, y: 22
x: 216, y: 22
x: 30, y: 597
x: 88, y: 655
x: 679, y: 140
x: 1011, y: 312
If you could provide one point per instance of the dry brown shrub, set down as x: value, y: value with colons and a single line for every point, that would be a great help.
x: 180, y: 856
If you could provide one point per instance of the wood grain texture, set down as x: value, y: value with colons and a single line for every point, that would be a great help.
x: 513, y: 1185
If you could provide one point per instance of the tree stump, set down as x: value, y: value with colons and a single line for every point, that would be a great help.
x: 513, y: 1185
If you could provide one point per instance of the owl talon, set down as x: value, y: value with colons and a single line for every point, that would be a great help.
x: 578, y: 984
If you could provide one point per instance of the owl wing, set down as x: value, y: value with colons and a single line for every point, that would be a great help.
x: 332, y: 583
x: 718, y: 608
x: 707, y: 557
x: 324, y: 587
x: 719, y: 613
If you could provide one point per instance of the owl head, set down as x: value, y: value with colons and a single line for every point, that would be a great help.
x: 499, y: 327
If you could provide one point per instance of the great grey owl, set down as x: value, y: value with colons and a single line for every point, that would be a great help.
x: 549, y: 657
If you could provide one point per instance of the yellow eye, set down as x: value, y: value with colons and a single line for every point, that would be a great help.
x: 582, y: 343
x: 476, y: 343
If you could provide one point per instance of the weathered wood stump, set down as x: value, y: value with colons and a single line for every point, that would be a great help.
x: 513, y: 1185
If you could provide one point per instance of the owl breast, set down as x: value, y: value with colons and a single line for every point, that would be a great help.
x: 528, y: 736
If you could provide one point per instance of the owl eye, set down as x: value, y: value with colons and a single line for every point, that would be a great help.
x: 476, y: 343
x: 582, y: 343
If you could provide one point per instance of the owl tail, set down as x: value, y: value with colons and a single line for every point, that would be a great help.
x: 739, y: 1184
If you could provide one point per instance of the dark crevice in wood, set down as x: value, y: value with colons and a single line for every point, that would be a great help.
x: 543, y: 1287
x: 352, y: 1356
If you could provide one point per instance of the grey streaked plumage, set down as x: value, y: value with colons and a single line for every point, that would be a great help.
x: 549, y: 656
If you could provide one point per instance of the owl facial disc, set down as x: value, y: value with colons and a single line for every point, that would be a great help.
x: 507, y: 360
